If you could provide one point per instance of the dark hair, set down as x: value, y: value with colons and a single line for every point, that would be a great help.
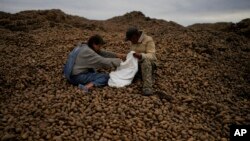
x: 96, y: 39
x: 131, y: 32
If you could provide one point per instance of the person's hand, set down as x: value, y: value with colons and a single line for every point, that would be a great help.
x: 122, y: 56
x: 137, y: 55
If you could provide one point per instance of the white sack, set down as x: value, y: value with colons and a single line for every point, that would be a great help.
x: 125, y: 73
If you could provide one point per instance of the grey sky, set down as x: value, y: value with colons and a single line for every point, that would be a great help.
x: 184, y: 12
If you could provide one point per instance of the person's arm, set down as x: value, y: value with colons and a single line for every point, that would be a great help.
x: 149, y: 54
x: 108, y: 54
x: 108, y: 62
x: 98, y: 61
x: 150, y: 51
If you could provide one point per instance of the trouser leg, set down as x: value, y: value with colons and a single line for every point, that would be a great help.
x: 147, y: 71
x: 101, y: 79
x: 98, y: 79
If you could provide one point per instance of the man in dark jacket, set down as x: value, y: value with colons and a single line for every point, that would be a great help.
x: 84, y: 59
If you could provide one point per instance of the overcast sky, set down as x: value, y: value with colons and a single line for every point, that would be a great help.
x: 184, y: 12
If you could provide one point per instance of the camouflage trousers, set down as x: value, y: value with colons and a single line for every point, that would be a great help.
x: 147, y: 69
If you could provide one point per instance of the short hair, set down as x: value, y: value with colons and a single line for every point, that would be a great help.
x: 131, y: 32
x: 95, y: 39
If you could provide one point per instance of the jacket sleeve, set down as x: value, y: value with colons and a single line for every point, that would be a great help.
x: 97, y: 61
x: 107, y: 54
x: 150, y: 51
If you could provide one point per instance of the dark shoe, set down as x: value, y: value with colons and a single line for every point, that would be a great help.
x: 147, y: 92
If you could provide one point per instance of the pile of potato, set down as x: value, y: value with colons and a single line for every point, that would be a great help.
x: 203, y: 73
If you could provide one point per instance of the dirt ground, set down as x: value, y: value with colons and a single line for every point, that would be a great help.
x: 204, y: 67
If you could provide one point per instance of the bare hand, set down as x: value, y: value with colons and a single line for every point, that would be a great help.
x: 137, y: 55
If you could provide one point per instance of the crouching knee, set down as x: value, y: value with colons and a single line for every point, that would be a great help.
x: 101, y: 80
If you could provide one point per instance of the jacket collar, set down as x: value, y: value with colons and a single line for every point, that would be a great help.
x: 141, y: 38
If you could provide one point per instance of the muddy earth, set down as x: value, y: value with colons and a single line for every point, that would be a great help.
x: 203, y: 71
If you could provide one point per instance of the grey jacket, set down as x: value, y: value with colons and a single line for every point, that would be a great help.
x: 89, y: 59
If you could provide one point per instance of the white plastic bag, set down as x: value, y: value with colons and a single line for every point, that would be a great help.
x: 125, y: 73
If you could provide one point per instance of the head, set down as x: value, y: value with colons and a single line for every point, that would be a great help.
x: 95, y: 42
x: 133, y: 35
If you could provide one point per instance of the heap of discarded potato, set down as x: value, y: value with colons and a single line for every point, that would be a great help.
x: 205, y: 70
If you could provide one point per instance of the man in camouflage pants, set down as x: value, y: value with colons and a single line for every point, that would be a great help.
x: 144, y: 48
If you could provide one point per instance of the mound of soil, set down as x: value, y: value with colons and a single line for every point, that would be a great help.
x: 202, y: 81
